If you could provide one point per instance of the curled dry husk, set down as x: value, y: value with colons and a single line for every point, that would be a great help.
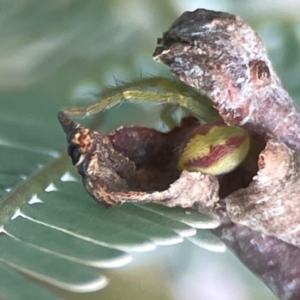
x: 257, y: 206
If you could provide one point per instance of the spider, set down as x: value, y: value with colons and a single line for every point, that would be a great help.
x: 211, y: 148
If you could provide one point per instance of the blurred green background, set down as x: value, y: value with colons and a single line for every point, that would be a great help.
x: 63, y: 52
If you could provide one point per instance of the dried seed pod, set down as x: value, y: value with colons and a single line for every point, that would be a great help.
x: 219, y: 53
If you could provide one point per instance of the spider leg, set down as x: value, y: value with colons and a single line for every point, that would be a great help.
x: 167, y: 91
